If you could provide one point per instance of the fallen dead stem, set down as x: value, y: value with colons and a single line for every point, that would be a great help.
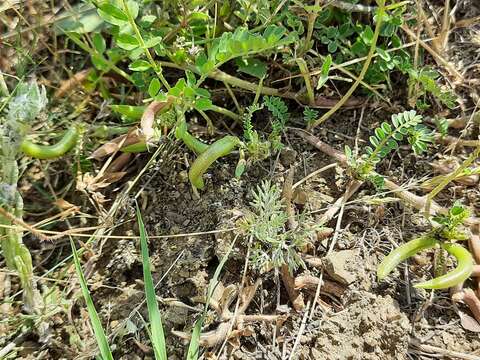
x: 352, y: 188
x: 312, y: 282
x: 232, y: 324
x: 452, y: 140
x: 287, y: 277
x: 417, y: 344
x: 70, y: 83
x: 418, y: 202
x: 296, y: 297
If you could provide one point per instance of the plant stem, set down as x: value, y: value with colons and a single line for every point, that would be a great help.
x: 448, y: 179
x: 226, y: 112
x: 90, y: 51
x: 325, y: 103
x: 308, y: 84
x: 373, y: 46
x: 156, y: 67
x: 16, y: 254
x: 312, y: 16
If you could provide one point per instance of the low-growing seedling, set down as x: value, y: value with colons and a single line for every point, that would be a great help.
x: 424, y: 81
x: 309, y: 115
x: 442, y: 236
x: 280, y: 113
x: 386, y: 138
x: 273, y: 244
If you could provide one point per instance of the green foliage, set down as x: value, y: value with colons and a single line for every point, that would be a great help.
x: 309, y: 115
x: 385, y: 139
x: 167, y: 119
x: 157, y: 336
x: 451, y: 223
x: 346, y: 39
x: 325, y: 71
x: 253, y: 67
x: 258, y: 149
x: 255, y: 11
x: 442, y: 125
x: 189, y: 94
x: 247, y: 120
x: 424, y: 81
x: 280, y: 113
x: 29, y: 101
x: 243, y: 43
x: 100, y: 336
x: 274, y: 245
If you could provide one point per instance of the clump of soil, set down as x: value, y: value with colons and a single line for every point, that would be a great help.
x: 370, y: 327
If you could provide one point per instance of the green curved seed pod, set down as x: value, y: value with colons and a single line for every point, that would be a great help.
x: 461, y: 273
x: 135, y: 148
x: 219, y: 148
x: 181, y: 133
x: 403, y: 252
x: 66, y: 143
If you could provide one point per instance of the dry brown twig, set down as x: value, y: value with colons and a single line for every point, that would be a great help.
x: 295, y: 296
x: 70, y: 83
x: 311, y: 283
x: 225, y: 331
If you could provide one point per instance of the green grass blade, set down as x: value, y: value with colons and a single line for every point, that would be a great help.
x: 195, y: 339
x: 92, y: 313
x: 157, y: 336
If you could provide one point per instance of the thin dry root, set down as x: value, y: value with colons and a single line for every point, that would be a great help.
x: 452, y: 140
x: 215, y: 337
x: 208, y: 339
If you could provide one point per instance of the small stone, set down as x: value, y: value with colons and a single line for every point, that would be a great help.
x: 287, y: 156
x: 340, y: 265
x: 300, y: 197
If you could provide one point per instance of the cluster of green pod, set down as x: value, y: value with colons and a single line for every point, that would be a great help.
x: 207, y: 154
x: 456, y: 276
x: 181, y: 133
x: 64, y: 145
